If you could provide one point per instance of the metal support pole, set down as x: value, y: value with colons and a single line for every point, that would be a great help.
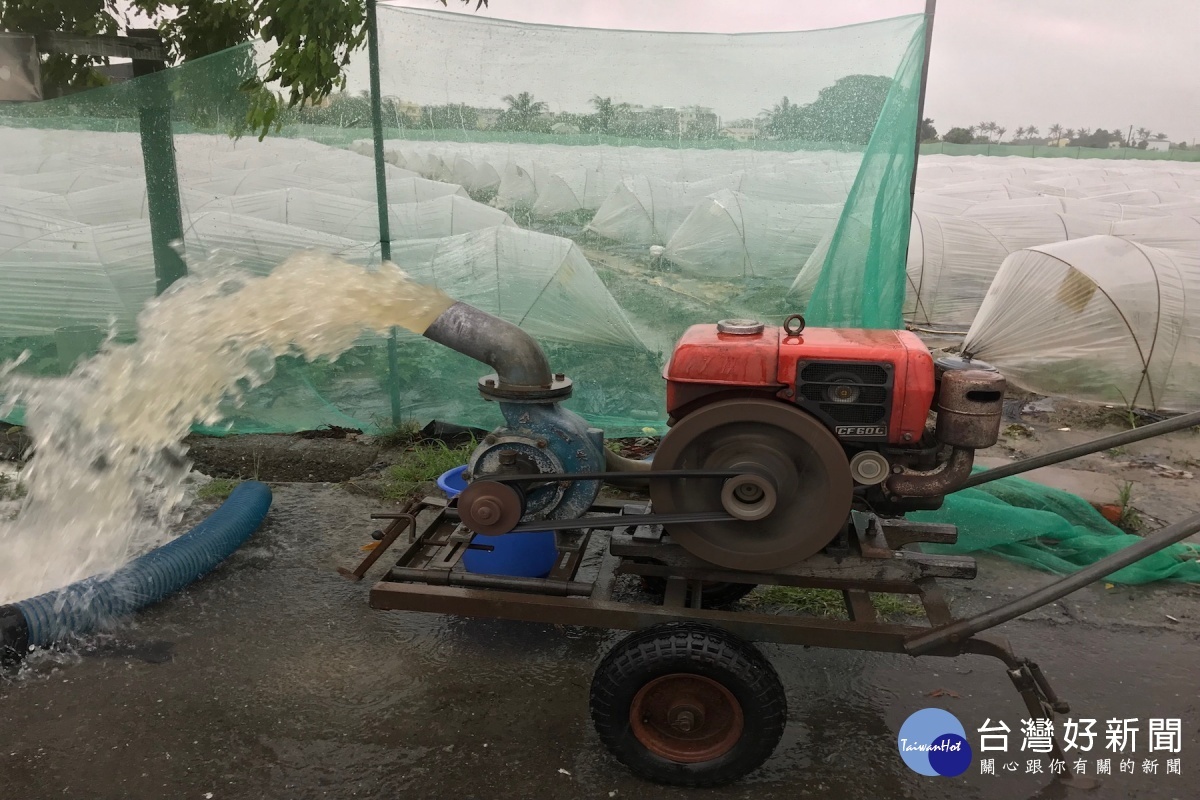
x: 1087, y: 448
x: 158, y: 161
x: 959, y: 631
x: 385, y: 233
x: 930, y: 9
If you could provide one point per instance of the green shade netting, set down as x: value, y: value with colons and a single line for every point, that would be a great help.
x: 799, y: 129
x: 1049, y: 530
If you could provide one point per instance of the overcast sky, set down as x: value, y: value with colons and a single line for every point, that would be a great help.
x: 1092, y: 63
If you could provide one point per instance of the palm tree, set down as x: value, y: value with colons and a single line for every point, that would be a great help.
x: 1068, y: 133
x: 1019, y: 133
x: 781, y: 119
x: 605, y: 112
x: 523, y: 111
x: 1000, y: 133
x: 1056, y: 131
x: 1143, y: 134
x: 1160, y: 137
x: 1032, y: 132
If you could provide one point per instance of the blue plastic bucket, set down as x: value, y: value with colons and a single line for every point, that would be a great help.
x: 522, y: 555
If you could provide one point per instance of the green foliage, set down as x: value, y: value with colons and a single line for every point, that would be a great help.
x: 523, y: 114
x: 828, y: 602
x: 844, y: 112
x: 421, y: 465
x: 958, y: 136
x: 63, y: 74
x: 217, y: 489
x: 1130, y: 520
x: 311, y: 42
x: 928, y: 132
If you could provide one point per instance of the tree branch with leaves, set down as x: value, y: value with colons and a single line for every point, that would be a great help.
x: 312, y: 41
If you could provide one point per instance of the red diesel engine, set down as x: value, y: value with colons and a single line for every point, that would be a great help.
x: 821, y: 420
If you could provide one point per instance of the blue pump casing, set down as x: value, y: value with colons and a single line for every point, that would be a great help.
x: 554, y: 440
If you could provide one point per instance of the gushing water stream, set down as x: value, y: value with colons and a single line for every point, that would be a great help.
x: 107, y: 475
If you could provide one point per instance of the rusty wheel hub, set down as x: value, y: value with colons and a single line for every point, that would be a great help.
x: 686, y: 718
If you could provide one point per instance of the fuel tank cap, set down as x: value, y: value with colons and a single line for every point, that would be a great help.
x: 740, y: 327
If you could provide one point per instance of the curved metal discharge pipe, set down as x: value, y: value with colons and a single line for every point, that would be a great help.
x: 518, y: 359
x: 84, y: 605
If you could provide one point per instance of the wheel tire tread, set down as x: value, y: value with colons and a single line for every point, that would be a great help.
x: 696, y: 645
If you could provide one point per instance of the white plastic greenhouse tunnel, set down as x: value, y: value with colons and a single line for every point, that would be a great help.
x: 1103, y: 319
x: 356, y: 219
x: 729, y: 234
x: 540, y: 282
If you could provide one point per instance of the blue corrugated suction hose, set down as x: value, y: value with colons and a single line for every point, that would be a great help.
x: 86, y: 604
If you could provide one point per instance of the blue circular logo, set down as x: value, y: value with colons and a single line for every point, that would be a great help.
x: 933, y: 742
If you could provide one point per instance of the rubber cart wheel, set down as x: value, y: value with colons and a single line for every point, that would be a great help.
x: 688, y: 704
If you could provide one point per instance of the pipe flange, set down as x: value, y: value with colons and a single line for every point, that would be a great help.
x: 492, y: 388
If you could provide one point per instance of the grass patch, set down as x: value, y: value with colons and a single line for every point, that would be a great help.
x: 401, y: 434
x: 420, y: 465
x: 829, y: 603
x: 1130, y: 520
x: 216, y: 489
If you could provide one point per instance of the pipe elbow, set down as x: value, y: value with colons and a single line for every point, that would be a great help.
x: 935, y: 482
x: 518, y: 359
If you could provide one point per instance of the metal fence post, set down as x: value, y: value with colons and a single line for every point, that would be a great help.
x: 158, y: 162
x: 385, y: 233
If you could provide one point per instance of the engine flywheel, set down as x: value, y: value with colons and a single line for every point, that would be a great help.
x: 792, y: 502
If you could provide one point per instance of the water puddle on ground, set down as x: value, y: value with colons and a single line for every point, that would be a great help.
x: 107, y: 476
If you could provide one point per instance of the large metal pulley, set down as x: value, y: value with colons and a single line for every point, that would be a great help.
x: 791, y: 499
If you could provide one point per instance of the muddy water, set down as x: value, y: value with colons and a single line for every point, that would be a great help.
x: 272, y: 678
x: 108, y: 471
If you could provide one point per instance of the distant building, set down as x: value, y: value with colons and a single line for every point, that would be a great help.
x: 403, y: 108
x: 1063, y: 142
x: 487, y: 118
x: 1154, y: 144
x: 564, y: 128
x: 1118, y: 144
x: 740, y: 134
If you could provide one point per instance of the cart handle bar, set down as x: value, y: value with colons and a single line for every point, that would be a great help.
x: 959, y: 631
x: 1087, y: 448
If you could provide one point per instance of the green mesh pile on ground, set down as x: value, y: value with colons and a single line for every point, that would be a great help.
x: 1050, y: 530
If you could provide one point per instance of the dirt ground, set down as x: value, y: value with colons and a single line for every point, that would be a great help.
x: 272, y: 677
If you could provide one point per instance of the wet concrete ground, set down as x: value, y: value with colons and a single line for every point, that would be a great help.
x: 272, y: 678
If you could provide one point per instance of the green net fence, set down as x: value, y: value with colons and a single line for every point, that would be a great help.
x: 602, y: 189
x: 1050, y: 530
x: 1047, y: 151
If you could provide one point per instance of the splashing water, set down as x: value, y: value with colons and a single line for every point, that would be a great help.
x: 107, y: 476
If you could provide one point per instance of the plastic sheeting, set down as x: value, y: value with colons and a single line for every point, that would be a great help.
x: 542, y: 283
x: 608, y: 323
x: 648, y: 211
x: 351, y: 218
x: 1102, y: 319
x: 730, y: 234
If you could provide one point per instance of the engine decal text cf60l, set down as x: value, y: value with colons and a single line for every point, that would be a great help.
x: 861, y: 430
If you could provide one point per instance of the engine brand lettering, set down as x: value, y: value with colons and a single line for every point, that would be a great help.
x: 861, y: 430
